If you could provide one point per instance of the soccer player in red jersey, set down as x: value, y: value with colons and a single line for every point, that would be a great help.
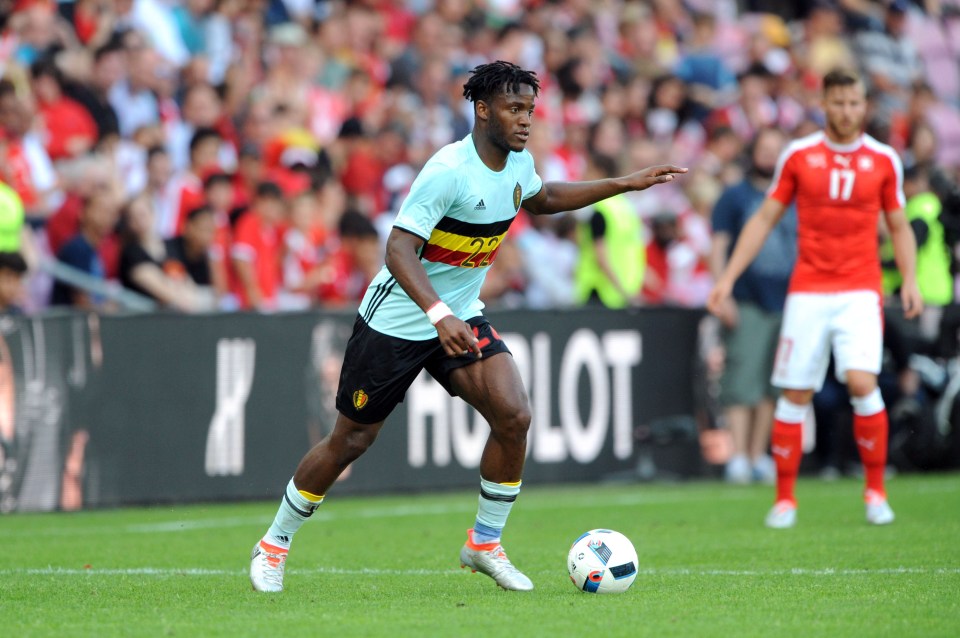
x: 841, y: 179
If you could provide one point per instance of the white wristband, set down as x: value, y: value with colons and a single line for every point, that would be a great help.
x: 438, y: 311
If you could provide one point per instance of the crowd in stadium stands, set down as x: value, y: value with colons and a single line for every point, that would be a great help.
x: 250, y: 154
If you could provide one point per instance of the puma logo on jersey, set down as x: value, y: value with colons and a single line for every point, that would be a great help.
x: 480, y: 206
x: 842, y: 160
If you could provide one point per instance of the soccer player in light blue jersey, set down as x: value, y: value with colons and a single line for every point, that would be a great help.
x: 423, y: 312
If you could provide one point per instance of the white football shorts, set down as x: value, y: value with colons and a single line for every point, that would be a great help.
x: 851, y: 323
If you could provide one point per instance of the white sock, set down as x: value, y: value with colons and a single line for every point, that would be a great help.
x: 295, y: 508
x: 496, y: 501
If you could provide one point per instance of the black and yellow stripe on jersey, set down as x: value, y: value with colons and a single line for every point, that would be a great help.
x: 463, y: 244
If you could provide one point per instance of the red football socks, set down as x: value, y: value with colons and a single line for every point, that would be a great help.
x: 870, y: 433
x: 786, y: 444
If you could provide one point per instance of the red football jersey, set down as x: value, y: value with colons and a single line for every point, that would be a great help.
x: 840, y: 191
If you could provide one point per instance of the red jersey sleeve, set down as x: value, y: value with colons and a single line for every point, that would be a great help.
x: 784, y: 186
x: 892, y: 194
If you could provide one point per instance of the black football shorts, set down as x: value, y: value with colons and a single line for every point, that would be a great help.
x: 378, y: 369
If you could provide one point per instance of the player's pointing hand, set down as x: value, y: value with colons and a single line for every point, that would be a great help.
x: 653, y: 175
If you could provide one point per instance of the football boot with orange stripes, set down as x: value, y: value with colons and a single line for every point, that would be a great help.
x: 266, y: 567
x: 490, y: 559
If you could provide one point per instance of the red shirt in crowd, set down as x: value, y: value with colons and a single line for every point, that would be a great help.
x: 258, y: 244
x: 64, y: 121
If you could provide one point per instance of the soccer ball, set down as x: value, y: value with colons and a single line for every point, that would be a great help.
x: 602, y: 561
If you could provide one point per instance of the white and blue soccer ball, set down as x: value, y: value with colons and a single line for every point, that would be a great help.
x: 602, y: 561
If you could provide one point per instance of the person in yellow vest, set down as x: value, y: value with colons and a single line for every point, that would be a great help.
x: 11, y: 219
x: 933, y: 255
x: 612, y: 247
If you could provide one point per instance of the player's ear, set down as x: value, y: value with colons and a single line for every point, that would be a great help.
x: 482, y: 110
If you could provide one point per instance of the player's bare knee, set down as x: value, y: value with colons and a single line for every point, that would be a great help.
x: 861, y: 387
x: 352, y: 444
x: 513, y: 425
x: 798, y: 397
x: 861, y: 383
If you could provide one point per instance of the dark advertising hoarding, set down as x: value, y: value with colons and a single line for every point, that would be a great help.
x: 168, y: 408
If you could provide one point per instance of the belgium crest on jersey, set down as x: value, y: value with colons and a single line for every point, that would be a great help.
x: 517, y: 194
x: 360, y: 399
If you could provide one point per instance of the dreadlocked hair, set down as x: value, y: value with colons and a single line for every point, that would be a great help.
x: 490, y: 79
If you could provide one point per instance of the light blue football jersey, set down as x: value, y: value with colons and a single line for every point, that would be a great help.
x: 462, y: 210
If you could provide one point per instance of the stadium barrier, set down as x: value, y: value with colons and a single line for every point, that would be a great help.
x: 153, y: 408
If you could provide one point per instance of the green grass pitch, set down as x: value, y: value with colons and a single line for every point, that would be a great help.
x: 388, y: 566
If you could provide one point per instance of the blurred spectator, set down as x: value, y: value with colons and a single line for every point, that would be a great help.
x: 612, y: 260
x: 570, y: 152
x: 24, y: 163
x: 933, y: 255
x: 751, y: 319
x: 156, y: 18
x: 186, y: 189
x: 250, y: 172
x: 426, y: 43
x: 823, y: 44
x: 676, y: 274
x: 67, y: 128
x: 671, y: 120
x: 36, y: 25
x: 754, y: 108
x: 189, y: 257
x: 159, y: 186
x: 350, y: 267
x: 92, y: 20
x: 132, y: 97
x: 143, y: 258
x: 219, y: 197
x: 255, y: 252
x: 889, y: 58
x: 12, y: 270
x: 192, y: 18
x: 202, y: 109
x: 93, y: 95
x: 906, y: 123
x: 549, y: 251
x: 83, y: 178
x: 362, y: 172
x: 711, y: 82
x: 99, y: 217
x: 608, y: 137
x: 302, y: 241
x: 702, y: 192
x: 719, y: 157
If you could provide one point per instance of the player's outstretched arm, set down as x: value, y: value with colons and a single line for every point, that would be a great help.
x: 751, y: 239
x: 905, y: 254
x: 403, y: 261
x: 556, y: 197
